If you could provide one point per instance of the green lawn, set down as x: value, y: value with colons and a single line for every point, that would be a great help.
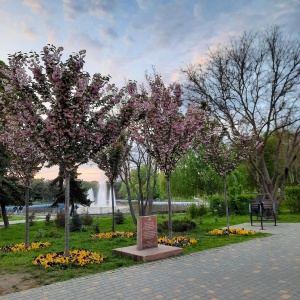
x: 21, y: 262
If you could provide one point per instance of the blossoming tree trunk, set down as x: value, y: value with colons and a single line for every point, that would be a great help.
x: 169, y: 207
x: 4, y: 215
x: 67, y: 215
x: 27, y: 216
x: 112, y: 205
x: 226, y: 202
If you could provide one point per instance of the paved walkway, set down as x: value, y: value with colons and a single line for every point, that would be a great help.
x: 38, y: 219
x: 267, y: 268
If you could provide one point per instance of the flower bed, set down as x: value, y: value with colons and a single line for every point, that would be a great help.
x: 177, y: 241
x: 110, y: 235
x: 232, y: 231
x: 76, y: 258
x: 21, y: 247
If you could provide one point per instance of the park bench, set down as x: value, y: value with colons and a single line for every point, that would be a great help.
x: 264, y: 210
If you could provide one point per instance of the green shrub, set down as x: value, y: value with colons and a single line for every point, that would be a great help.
x: 86, y: 219
x: 240, y: 203
x: 60, y: 219
x: 83, y: 228
x: 119, y: 217
x: 202, y: 210
x: 183, y: 225
x: 197, y: 210
x: 193, y: 210
x: 40, y: 235
x: 292, y: 198
x: 217, y: 205
x: 54, y: 234
x: 96, y: 227
x: 76, y: 223
x: 161, y: 227
x: 177, y: 226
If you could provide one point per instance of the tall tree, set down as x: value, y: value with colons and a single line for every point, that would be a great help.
x: 110, y: 159
x: 42, y: 190
x: 78, y: 194
x: 26, y: 157
x: 73, y: 105
x: 223, y: 152
x: 193, y: 177
x: 166, y: 131
x: 139, y: 176
x: 254, y: 83
x: 10, y: 191
x: 20, y: 127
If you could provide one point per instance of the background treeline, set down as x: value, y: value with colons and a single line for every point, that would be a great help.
x: 193, y: 180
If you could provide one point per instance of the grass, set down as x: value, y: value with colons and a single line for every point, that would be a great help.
x: 12, y: 263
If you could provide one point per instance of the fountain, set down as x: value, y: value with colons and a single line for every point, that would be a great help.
x: 90, y: 195
x: 103, y: 202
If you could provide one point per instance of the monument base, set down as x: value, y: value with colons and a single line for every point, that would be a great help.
x: 160, y: 252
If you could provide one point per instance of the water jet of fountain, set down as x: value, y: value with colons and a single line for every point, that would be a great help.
x: 102, y: 203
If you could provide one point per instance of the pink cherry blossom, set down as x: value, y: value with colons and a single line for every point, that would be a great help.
x: 164, y: 127
x: 65, y: 114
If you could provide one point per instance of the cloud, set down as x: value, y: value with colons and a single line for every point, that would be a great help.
x: 217, y: 21
x: 165, y: 25
x: 26, y: 31
x: 84, y: 40
x: 37, y: 6
x: 72, y: 8
x: 167, y: 33
x: 98, y: 57
x: 108, y: 33
x: 29, y: 32
x: 143, y: 4
x: 101, y: 8
x: 52, y: 36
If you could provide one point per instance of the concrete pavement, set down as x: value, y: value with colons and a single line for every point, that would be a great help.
x: 38, y: 219
x: 266, y: 268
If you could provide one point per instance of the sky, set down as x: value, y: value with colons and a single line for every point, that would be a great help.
x: 127, y: 38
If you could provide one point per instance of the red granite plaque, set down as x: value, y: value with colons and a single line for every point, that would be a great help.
x: 147, y: 232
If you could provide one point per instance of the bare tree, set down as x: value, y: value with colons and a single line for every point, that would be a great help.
x: 253, y: 85
x: 146, y: 173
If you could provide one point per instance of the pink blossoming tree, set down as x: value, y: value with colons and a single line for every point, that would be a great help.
x: 167, y: 129
x: 73, y: 105
x: 26, y: 157
x: 20, y: 127
x: 223, y: 151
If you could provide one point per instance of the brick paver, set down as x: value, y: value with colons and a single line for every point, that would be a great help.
x: 267, y: 268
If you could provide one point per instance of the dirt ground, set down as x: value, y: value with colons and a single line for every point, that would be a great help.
x: 11, y: 283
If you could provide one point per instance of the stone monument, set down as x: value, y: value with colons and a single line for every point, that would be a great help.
x: 147, y: 232
x: 147, y: 247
